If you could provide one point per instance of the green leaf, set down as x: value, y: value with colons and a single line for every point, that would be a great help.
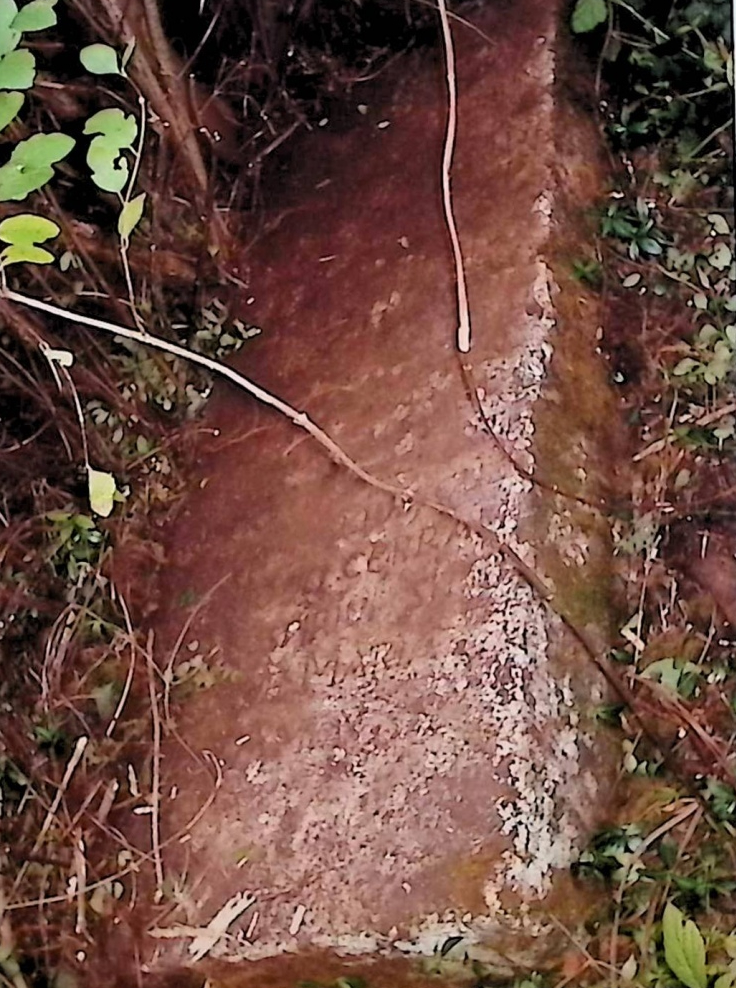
x: 10, y: 104
x: 30, y: 164
x: 101, y: 491
x: 684, y: 948
x: 588, y: 14
x: 686, y: 365
x: 100, y: 60
x: 35, y: 16
x: 8, y: 37
x: 650, y: 245
x: 109, y: 170
x: 116, y: 131
x: 130, y: 216
x: 25, y: 253
x: 114, y: 125
x: 17, y: 70
x: 23, y: 233
x: 28, y: 228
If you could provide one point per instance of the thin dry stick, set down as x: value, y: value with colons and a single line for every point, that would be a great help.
x: 76, y: 757
x: 156, y: 771
x: 131, y: 666
x: 300, y: 419
x: 463, y: 329
x: 51, y: 814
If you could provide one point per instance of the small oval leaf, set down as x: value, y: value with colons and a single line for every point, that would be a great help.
x: 130, y: 216
x: 100, y: 60
x: 101, y: 491
x: 17, y: 70
x: 589, y: 14
x: 10, y: 106
x: 721, y: 257
x: 720, y: 223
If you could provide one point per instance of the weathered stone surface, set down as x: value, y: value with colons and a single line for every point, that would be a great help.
x: 406, y: 749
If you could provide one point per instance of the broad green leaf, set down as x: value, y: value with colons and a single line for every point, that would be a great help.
x: 43, y: 149
x: 17, y: 70
x: 684, y: 948
x: 8, y: 37
x: 10, y: 104
x: 30, y: 163
x: 100, y: 60
x: 25, y: 253
x: 114, y: 125
x: 28, y: 228
x: 588, y: 14
x: 101, y: 491
x: 130, y: 216
x: 35, y: 16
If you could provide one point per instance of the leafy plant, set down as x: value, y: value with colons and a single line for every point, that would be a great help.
x: 50, y: 736
x: 76, y: 543
x: 611, y: 853
x: 721, y: 799
x: 588, y: 271
x: 684, y: 948
x: 635, y: 226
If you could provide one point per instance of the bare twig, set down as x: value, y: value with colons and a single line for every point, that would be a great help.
x: 74, y: 760
x: 298, y: 418
x: 156, y: 771
x: 131, y: 665
x: 463, y: 311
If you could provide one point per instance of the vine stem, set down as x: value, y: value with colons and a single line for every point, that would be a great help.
x: 527, y: 573
x: 298, y: 418
x: 125, y: 241
x: 463, y: 311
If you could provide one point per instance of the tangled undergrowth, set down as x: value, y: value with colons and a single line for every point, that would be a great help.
x: 664, y: 265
